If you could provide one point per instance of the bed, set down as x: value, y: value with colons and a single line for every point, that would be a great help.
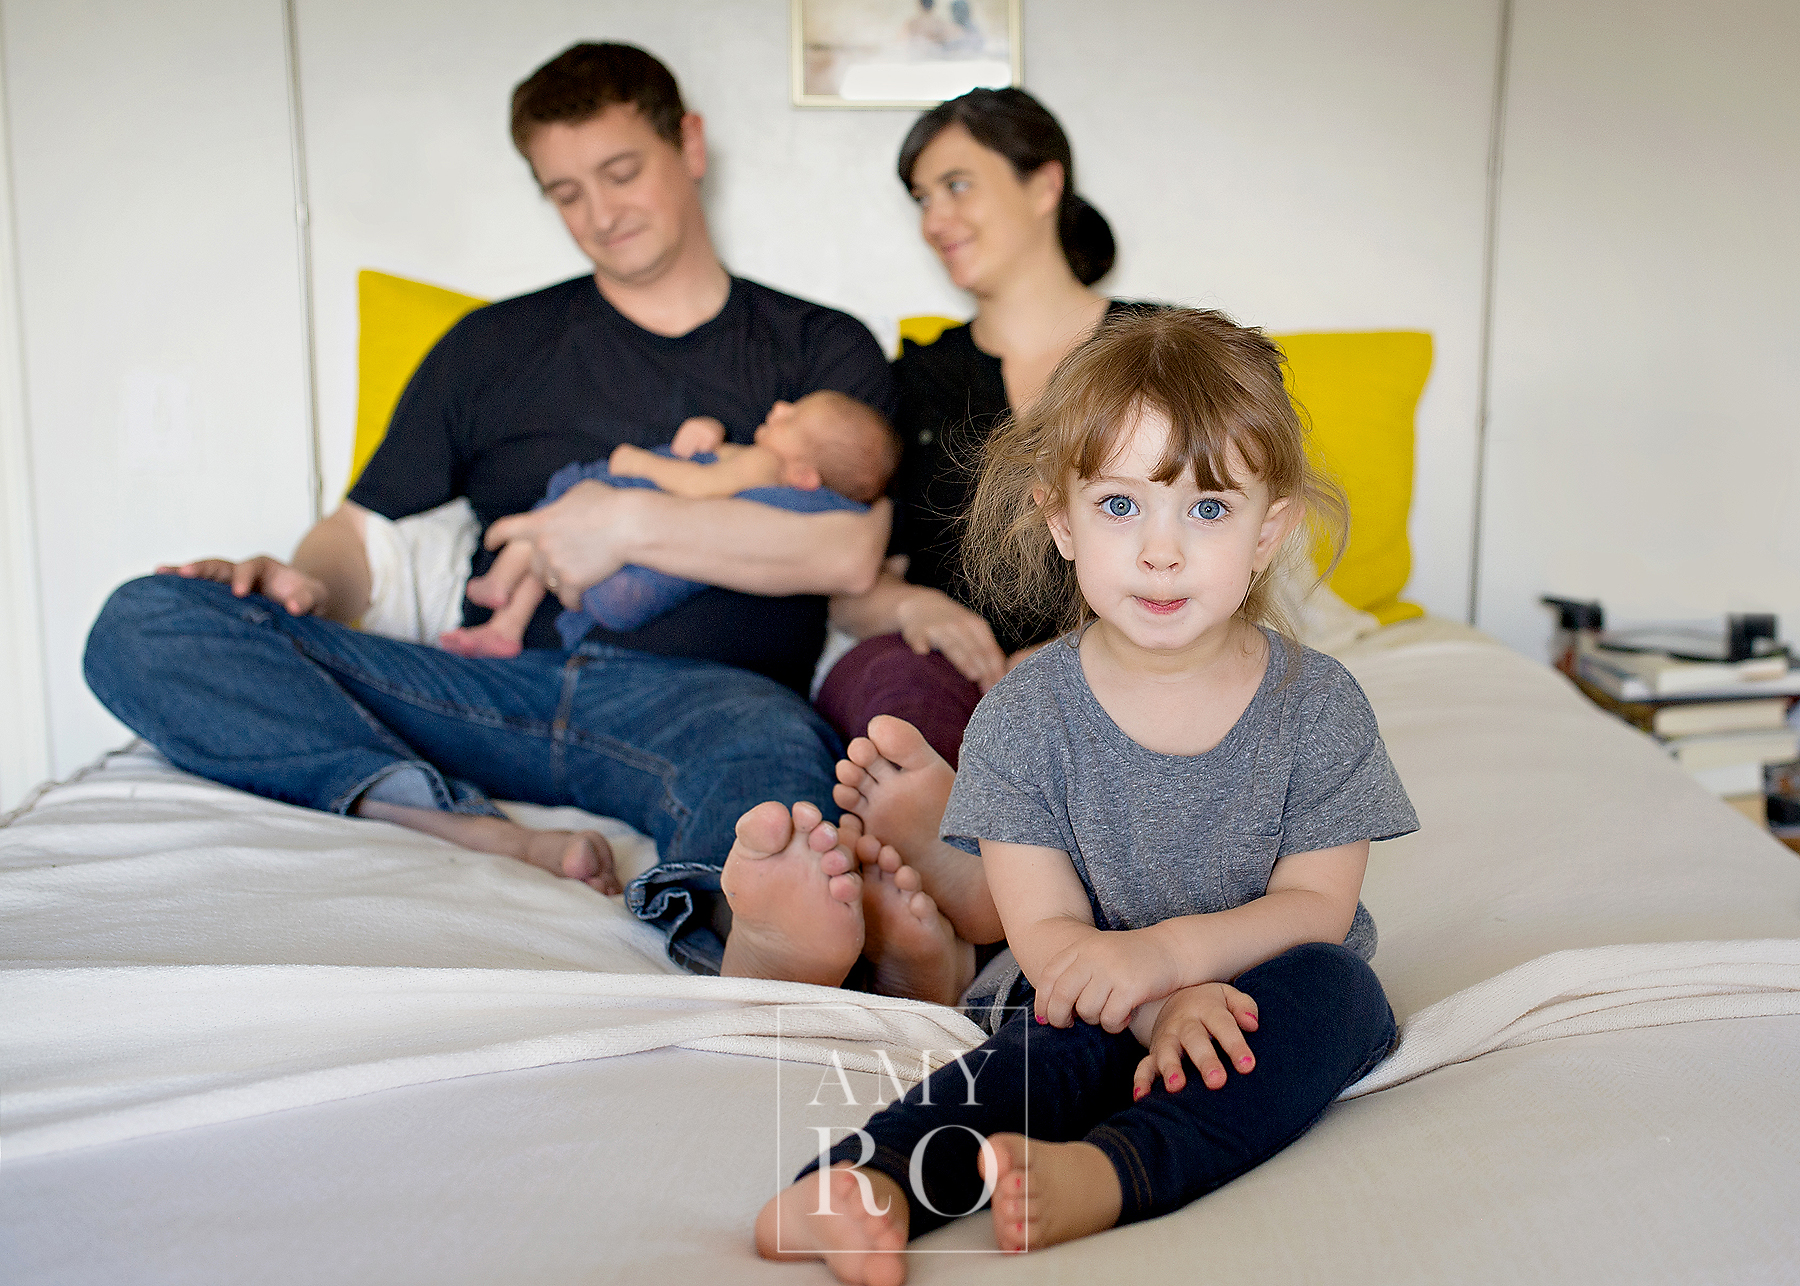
x: 245, y: 1042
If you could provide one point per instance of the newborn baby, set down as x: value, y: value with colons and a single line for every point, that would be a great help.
x: 824, y: 451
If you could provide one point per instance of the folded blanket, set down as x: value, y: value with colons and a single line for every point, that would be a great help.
x: 1595, y: 989
x: 96, y: 1055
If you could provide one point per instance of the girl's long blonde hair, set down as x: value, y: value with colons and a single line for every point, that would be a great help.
x: 1220, y: 387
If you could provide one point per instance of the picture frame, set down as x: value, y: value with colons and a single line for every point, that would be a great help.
x: 901, y: 53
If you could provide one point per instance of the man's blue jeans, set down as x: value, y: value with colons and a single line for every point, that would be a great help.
x: 314, y: 713
x: 1323, y: 1022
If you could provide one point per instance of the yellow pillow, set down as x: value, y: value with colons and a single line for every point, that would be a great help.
x: 924, y: 329
x: 400, y: 321
x: 1358, y: 391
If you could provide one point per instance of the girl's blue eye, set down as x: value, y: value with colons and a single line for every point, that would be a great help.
x: 1209, y: 510
x: 1119, y: 506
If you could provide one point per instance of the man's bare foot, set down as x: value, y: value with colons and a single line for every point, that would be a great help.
x: 479, y: 640
x: 575, y: 855
x: 914, y: 949
x: 857, y: 1225
x: 796, y: 898
x: 1045, y: 1193
x: 898, y: 785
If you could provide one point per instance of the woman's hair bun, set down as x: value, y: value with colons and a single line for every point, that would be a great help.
x: 1087, y: 240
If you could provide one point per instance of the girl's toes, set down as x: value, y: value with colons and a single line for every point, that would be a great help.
x: 907, y: 878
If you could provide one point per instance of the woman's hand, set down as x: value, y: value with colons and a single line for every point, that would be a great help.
x: 1102, y: 977
x: 300, y: 593
x: 1190, y: 1022
x: 931, y: 620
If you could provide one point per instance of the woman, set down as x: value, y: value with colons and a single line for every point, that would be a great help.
x: 994, y: 179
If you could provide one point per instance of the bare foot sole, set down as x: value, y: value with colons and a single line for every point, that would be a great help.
x: 479, y: 641
x: 1046, y: 1193
x: 914, y: 949
x: 898, y: 785
x: 857, y: 1225
x: 796, y: 898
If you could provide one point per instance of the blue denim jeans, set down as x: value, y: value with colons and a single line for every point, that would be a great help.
x: 1323, y: 1021
x: 315, y: 713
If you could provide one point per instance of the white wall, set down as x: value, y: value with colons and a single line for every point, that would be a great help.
x: 159, y: 288
x: 24, y: 739
x: 1644, y: 441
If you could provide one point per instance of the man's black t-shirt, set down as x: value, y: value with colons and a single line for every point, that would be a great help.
x: 520, y: 388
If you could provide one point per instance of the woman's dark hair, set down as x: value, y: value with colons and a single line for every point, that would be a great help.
x: 1018, y: 127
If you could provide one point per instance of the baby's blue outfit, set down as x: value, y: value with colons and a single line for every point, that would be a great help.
x: 632, y: 597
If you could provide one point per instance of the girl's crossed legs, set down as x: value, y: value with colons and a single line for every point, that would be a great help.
x: 1323, y: 1022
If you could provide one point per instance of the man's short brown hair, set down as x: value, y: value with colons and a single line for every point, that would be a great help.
x: 586, y: 79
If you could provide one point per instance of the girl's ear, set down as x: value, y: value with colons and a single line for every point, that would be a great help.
x: 1057, y: 520
x: 1278, y: 523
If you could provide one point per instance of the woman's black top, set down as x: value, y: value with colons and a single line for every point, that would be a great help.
x: 952, y: 397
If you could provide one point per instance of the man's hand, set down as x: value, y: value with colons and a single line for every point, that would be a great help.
x: 697, y: 433
x: 930, y: 619
x: 301, y: 594
x: 1190, y: 1021
x: 577, y: 540
x: 1103, y: 976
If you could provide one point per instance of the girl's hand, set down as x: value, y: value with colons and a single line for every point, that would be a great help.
x: 1103, y: 977
x: 930, y: 619
x: 1190, y: 1022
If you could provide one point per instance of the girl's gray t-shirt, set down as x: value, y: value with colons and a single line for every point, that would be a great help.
x: 1155, y: 836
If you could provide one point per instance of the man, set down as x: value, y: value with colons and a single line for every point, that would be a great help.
x: 248, y: 672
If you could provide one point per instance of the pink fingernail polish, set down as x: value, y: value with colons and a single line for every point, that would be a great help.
x: 1042, y: 1019
x: 1244, y: 1062
x: 1137, y: 1094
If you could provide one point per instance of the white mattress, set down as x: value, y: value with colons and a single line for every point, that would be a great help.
x: 1661, y: 1152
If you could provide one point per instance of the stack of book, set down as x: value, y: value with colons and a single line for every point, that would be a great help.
x: 1724, y: 722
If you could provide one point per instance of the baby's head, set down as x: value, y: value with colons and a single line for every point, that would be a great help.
x: 829, y: 439
x: 1174, y: 417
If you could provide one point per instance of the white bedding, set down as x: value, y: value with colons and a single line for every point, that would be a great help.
x: 1547, y: 829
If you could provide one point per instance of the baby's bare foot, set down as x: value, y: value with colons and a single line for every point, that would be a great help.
x: 855, y: 1220
x: 898, y: 785
x: 1045, y: 1193
x: 795, y: 897
x: 914, y: 949
x: 479, y: 640
x: 487, y: 591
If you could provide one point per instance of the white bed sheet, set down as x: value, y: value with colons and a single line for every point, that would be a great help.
x: 1662, y: 1153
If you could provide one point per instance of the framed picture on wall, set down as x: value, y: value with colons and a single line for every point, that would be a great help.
x: 902, y: 53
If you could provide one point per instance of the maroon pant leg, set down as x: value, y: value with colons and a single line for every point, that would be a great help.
x: 883, y: 675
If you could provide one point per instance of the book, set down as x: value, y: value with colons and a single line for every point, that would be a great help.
x: 1645, y: 676
x: 1733, y: 779
x: 1684, y: 716
x: 1723, y: 749
x: 1766, y: 714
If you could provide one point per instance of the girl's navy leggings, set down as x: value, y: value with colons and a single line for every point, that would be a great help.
x: 1323, y: 1022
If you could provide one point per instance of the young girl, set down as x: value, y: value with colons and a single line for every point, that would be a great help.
x: 1173, y: 804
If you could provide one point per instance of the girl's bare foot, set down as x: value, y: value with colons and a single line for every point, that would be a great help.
x: 795, y: 896
x: 574, y: 855
x: 914, y: 949
x: 898, y: 785
x: 1046, y: 1193
x: 856, y: 1222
